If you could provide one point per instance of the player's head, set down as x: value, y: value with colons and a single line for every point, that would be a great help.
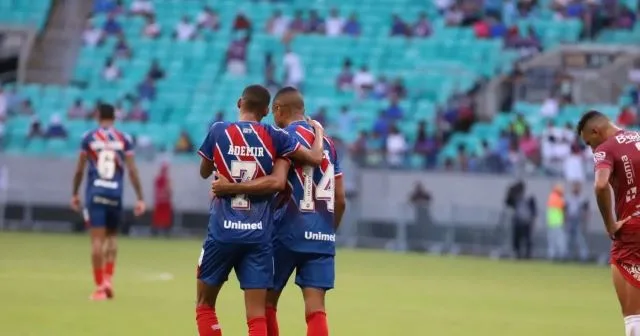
x: 287, y: 106
x: 106, y: 113
x: 255, y: 100
x: 594, y: 128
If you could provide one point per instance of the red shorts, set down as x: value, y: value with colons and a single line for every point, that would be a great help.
x: 625, y: 252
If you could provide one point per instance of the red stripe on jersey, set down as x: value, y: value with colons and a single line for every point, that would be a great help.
x: 306, y: 134
x: 221, y: 164
x: 265, y: 139
x: 237, y: 139
x: 99, y: 135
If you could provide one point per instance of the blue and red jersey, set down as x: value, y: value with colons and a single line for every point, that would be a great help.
x: 305, y: 220
x: 242, y: 151
x: 106, y: 149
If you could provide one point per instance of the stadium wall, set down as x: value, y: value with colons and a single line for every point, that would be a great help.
x: 383, y: 195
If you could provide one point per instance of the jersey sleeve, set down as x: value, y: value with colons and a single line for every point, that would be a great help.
x: 128, y: 144
x: 84, y: 144
x: 337, y: 170
x: 209, y: 143
x: 284, y: 143
x: 603, y: 157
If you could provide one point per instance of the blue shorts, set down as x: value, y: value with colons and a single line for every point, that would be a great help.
x: 253, y: 264
x: 103, y: 216
x: 313, y: 270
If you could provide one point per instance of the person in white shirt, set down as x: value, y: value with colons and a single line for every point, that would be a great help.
x: 92, y: 35
x: 185, y: 29
x: 334, y: 23
x: 208, y: 19
x: 142, y: 7
x: 574, y: 166
x: 396, y: 147
x: 111, y: 72
x: 363, y: 81
x: 294, y: 71
x: 277, y: 24
x: 549, y: 107
x: 152, y: 28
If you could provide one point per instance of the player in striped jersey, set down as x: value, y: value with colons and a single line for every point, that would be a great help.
x: 107, y: 151
x: 307, y: 217
x: 240, y: 226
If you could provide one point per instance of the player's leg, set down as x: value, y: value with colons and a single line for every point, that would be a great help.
x: 255, y: 273
x: 316, y: 275
x: 214, y: 265
x: 626, y: 280
x: 96, y: 221
x: 111, y: 248
x: 284, y: 262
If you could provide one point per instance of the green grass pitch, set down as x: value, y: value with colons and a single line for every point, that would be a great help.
x: 45, y: 281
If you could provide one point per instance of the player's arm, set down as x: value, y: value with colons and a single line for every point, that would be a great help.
x: 340, y: 202
x: 77, y: 180
x: 314, y: 155
x: 261, y: 186
x: 206, y: 152
x: 603, y: 198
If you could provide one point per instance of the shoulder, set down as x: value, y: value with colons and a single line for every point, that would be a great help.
x: 218, y: 127
x: 126, y: 136
x: 88, y: 134
x: 277, y: 130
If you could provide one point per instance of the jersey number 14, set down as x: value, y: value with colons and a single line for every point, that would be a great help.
x: 324, y: 191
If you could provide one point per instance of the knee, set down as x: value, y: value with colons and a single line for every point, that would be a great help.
x: 97, y: 247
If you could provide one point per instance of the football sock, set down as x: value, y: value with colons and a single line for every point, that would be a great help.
x: 98, y: 275
x: 317, y: 324
x: 632, y: 325
x: 257, y: 326
x: 109, y: 268
x: 207, y: 321
x: 272, y: 322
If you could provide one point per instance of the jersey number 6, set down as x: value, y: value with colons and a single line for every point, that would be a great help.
x: 106, y: 164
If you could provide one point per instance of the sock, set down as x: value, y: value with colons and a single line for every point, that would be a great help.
x: 109, y: 269
x: 207, y: 321
x: 98, y: 275
x: 632, y: 325
x: 272, y: 322
x: 317, y: 324
x: 257, y: 326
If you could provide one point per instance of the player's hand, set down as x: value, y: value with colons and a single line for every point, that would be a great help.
x: 75, y: 203
x: 219, y: 185
x: 315, y: 124
x: 139, y: 208
x: 617, y: 226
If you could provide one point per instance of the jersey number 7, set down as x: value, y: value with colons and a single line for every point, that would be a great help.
x: 324, y: 191
x: 245, y: 171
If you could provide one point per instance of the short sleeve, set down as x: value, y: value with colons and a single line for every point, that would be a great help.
x: 128, y: 144
x: 84, y: 145
x: 603, y: 157
x: 337, y: 169
x: 206, y: 149
x: 284, y: 142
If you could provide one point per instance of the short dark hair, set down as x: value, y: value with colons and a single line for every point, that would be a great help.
x: 256, y: 98
x: 106, y: 112
x: 593, y: 114
x: 284, y: 90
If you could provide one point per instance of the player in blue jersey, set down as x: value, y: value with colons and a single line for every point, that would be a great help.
x: 308, y: 216
x: 107, y: 151
x: 240, y: 227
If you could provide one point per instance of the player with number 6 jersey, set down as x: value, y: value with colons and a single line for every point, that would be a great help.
x: 240, y: 226
x: 107, y: 151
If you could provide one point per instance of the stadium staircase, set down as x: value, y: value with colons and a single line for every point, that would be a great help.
x: 53, y: 57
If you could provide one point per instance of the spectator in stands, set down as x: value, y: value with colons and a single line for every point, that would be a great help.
x: 13, y: 100
x: 122, y: 49
x: 396, y: 147
x: 277, y: 24
x: 515, y: 159
x: 110, y: 71
x: 374, y: 148
x: 35, y: 128
x: 315, y: 25
x: 574, y: 165
x: 398, y: 89
x: 335, y: 23
x: 627, y: 117
x: 77, y: 111
x: 26, y: 108
x: 497, y: 29
x: 297, y: 25
x: 119, y: 111
x: 519, y: 125
x: 184, y: 143
x: 237, y: 56
x: 399, y: 27
x: 55, y: 130
x: 352, y: 26
x: 490, y: 159
x: 185, y: 30
x: 241, y: 22
x: 293, y: 69
x: 529, y: 147
x: 482, y: 29
x: 422, y: 27
x: 346, y: 120
x: 152, y: 28
x: 550, y: 107
x: 137, y: 112
x: 363, y: 81
x: 104, y: 6
x: 394, y: 111
x: 92, y: 35
x: 321, y: 115
x: 155, y: 71
x: 426, y: 146
x: 147, y: 89
x: 344, y: 82
x: 453, y: 15
x: 382, y: 123
x: 111, y: 25
x: 208, y: 19
x: 142, y: 7
x: 381, y: 88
